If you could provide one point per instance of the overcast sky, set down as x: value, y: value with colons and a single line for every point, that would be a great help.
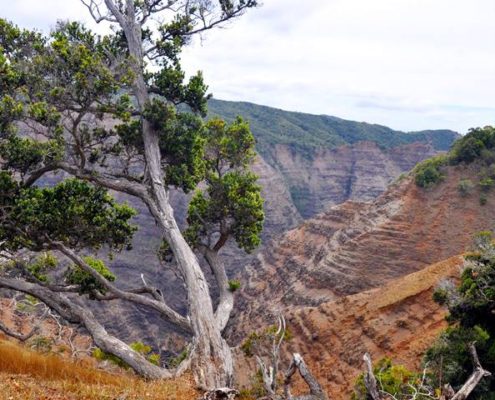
x: 407, y: 64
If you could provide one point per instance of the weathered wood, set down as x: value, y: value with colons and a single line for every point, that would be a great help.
x: 370, y: 380
x: 220, y: 394
x: 77, y: 314
x: 478, y: 374
x: 315, y: 390
x: 17, y: 335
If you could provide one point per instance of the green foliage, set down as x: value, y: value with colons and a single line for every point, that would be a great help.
x: 471, y: 146
x: 86, y: 282
x: 231, y: 204
x: 471, y: 320
x: 483, y: 199
x: 394, y: 379
x: 139, y: 347
x: 174, y: 362
x: 43, y: 264
x: 305, y: 133
x: 465, y: 187
x: 257, y: 341
x: 440, y: 296
x: 28, y: 305
x: 478, y: 145
x: 42, y: 344
x: 256, y: 390
x: 73, y: 212
x: 429, y: 172
x: 25, y: 154
x: 234, y: 285
x: 486, y: 184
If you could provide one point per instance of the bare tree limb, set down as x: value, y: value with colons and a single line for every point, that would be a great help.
x: 370, y: 380
x: 77, y: 314
x: 19, y: 336
x: 478, y: 374
x: 315, y: 389
x: 159, y: 306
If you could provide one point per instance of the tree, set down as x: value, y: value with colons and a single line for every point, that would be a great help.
x: 90, y: 106
x: 471, y: 308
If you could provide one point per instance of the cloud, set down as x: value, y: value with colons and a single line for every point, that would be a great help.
x: 409, y: 64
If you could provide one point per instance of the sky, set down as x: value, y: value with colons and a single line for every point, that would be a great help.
x: 407, y: 64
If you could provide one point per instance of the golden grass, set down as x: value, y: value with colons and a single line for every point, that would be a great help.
x: 27, y: 375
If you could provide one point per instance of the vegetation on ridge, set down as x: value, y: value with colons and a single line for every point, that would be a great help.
x: 306, y: 132
x: 478, y: 145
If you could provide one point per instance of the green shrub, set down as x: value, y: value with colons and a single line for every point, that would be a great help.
x: 486, y: 184
x: 465, y: 187
x: 428, y: 172
x: 42, y: 344
x: 483, y: 199
x: 394, y: 379
x: 477, y: 144
x: 174, y: 362
x: 470, y: 320
x: 234, y: 285
x: 87, y: 283
x: 139, y: 347
x: 440, y: 296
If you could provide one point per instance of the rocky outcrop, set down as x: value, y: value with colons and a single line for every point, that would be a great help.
x: 399, y: 320
x: 361, y: 172
x: 357, y: 246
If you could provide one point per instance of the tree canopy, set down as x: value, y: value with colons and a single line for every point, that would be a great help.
x: 116, y: 112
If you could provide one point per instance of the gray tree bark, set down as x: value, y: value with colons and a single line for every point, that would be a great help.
x: 77, y: 314
x: 211, y: 357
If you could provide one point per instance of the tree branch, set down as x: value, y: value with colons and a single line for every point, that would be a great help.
x: 478, y: 374
x: 226, y: 300
x: 17, y: 335
x: 369, y: 379
x: 77, y: 314
x: 316, y: 391
x: 164, y: 310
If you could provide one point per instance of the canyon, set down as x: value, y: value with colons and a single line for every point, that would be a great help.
x: 297, y: 182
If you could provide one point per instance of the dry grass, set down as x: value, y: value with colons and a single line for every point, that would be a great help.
x: 27, y: 375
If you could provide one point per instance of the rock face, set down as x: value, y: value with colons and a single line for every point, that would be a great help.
x: 358, y: 246
x: 326, y: 177
x: 323, y: 160
x: 399, y: 320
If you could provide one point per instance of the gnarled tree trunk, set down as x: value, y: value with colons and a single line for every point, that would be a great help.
x: 211, y: 357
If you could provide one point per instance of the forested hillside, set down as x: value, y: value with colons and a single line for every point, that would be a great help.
x: 323, y: 160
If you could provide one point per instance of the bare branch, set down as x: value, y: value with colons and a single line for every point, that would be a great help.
x: 19, y: 336
x: 96, y: 14
x: 316, y: 391
x: 159, y: 306
x: 478, y: 374
x: 370, y: 380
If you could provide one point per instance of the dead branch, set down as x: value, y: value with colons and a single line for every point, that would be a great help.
x: 19, y: 336
x: 369, y: 379
x: 315, y: 390
x: 478, y: 374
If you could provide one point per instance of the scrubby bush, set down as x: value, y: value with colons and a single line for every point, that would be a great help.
x: 486, y: 184
x: 465, y: 187
x: 429, y: 172
x: 140, y: 347
x: 394, y: 379
x: 478, y: 143
x: 234, y: 285
x: 471, y: 319
x: 174, y: 362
